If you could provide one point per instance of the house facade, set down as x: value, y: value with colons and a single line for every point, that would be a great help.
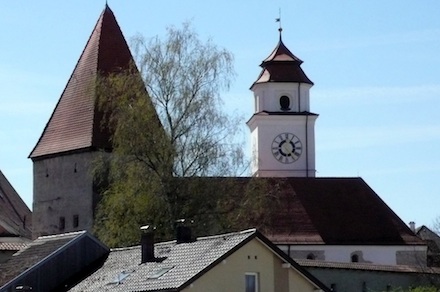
x: 239, y: 261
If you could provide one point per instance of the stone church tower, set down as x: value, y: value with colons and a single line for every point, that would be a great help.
x: 65, y: 195
x: 282, y: 126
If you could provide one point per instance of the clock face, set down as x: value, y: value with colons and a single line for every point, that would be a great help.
x: 286, y: 148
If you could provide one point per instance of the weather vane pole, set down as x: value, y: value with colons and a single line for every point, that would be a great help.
x: 280, y: 29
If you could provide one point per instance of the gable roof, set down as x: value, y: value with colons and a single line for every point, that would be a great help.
x: 39, y: 265
x: 282, y: 66
x: 333, y: 211
x: 183, y: 263
x: 432, y: 241
x: 15, y: 215
x: 75, y: 121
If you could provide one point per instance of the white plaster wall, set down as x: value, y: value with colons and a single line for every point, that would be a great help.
x: 264, y: 128
x: 381, y: 255
x: 268, y: 94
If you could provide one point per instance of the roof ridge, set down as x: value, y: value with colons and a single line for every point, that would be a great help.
x: 229, y: 234
x: 61, y: 235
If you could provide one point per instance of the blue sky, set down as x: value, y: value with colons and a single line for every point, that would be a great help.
x: 375, y: 65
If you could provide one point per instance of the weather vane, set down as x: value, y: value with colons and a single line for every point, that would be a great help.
x: 280, y: 29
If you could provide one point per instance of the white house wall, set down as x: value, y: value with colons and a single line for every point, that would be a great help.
x: 380, y: 255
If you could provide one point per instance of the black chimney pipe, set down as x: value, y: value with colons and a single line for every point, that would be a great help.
x: 147, y: 244
x: 183, y: 232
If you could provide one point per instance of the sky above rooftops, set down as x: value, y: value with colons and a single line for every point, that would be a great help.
x: 375, y: 65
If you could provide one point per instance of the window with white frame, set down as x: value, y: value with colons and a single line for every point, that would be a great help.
x: 251, y: 282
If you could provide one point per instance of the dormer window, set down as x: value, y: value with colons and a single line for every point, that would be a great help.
x: 285, y: 103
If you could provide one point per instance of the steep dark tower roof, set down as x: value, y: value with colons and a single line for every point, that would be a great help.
x: 75, y: 123
x: 15, y: 216
x: 282, y: 66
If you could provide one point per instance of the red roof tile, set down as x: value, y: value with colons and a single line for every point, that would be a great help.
x: 15, y: 216
x: 335, y: 211
x: 282, y: 66
x: 75, y: 122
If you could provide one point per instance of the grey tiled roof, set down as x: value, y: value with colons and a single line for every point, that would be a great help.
x: 181, y: 264
x: 12, y: 245
x: 35, y: 252
x: 186, y: 261
x: 51, y: 263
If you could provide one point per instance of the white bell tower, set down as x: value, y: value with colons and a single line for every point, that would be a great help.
x: 282, y: 126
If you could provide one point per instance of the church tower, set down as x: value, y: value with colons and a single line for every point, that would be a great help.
x: 282, y: 126
x: 64, y: 192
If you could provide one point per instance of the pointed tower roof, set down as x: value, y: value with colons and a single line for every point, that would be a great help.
x: 282, y: 66
x: 15, y: 216
x: 75, y: 122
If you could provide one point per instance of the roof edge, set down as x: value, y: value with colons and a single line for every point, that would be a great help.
x: 99, y: 22
x: 220, y: 259
x: 81, y: 234
x: 292, y: 262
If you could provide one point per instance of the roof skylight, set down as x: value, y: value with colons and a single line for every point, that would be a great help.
x: 159, y: 272
x: 119, y: 279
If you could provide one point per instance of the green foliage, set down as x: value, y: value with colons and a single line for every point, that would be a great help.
x: 184, y: 78
x: 168, y: 141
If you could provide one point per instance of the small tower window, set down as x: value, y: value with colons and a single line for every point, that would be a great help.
x: 62, y: 223
x: 285, y: 103
x: 311, y: 256
x: 75, y: 221
x: 354, y: 258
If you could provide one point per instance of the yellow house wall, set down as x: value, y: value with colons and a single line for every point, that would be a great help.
x: 254, y: 257
x: 298, y: 283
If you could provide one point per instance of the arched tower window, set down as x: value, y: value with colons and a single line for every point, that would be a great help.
x: 285, y: 103
x: 311, y: 256
x: 354, y: 258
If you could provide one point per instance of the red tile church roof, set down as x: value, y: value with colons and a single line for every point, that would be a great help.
x: 334, y: 211
x: 75, y: 122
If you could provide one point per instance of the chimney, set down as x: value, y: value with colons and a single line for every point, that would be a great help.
x: 412, y: 226
x: 183, y: 232
x: 147, y: 244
